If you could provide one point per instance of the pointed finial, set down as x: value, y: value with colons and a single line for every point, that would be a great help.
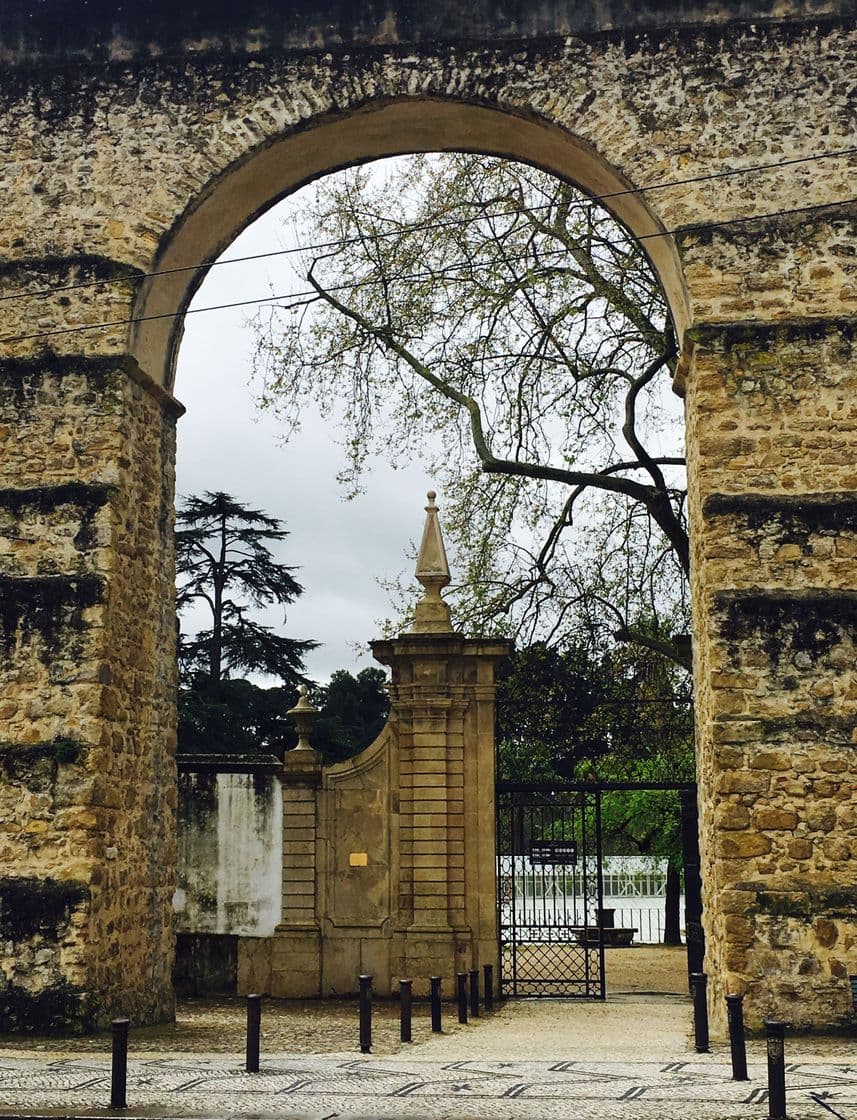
x: 432, y: 614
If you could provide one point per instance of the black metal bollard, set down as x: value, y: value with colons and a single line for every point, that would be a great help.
x: 737, y: 1043
x: 698, y: 982
x: 365, y: 1014
x: 434, y: 981
x: 488, y: 978
x: 474, y: 993
x: 776, y: 1069
x: 254, y: 1030
x: 462, y: 996
x: 119, y: 1071
x: 405, y: 1006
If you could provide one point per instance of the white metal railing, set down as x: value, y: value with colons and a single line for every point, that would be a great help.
x: 548, y: 902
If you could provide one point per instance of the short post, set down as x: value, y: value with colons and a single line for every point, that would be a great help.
x: 365, y: 1014
x: 474, y: 993
x: 461, y: 977
x: 488, y: 978
x: 254, y: 1030
x: 434, y: 982
x: 119, y: 1071
x: 405, y: 1006
x: 698, y: 982
x: 776, y: 1032
x: 737, y: 1043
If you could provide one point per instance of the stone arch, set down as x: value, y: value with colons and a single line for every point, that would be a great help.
x: 375, y: 130
x: 112, y: 129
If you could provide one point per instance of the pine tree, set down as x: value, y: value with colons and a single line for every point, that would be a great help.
x: 223, y: 560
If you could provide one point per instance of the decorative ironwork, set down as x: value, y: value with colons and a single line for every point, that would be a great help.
x: 549, y: 891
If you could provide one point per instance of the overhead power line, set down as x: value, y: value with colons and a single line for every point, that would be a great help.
x: 418, y: 226
x: 312, y: 294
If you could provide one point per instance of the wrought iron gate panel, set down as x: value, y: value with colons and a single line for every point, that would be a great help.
x: 549, y: 891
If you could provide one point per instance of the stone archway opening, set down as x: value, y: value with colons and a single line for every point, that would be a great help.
x: 158, y: 156
x: 259, y: 976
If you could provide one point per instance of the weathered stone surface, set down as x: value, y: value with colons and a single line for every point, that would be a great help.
x: 186, y: 128
x: 85, y: 526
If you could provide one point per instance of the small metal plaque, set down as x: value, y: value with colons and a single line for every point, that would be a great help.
x: 358, y: 859
x: 563, y: 852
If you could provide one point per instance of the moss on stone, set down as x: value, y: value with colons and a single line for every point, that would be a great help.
x: 88, y: 496
x: 765, y: 334
x: 798, y: 515
x: 86, y: 266
x: 811, y: 622
x: 59, y: 1007
x: 808, y: 903
x: 45, y: 605
x: 30, y: 907
x: 782, y: 904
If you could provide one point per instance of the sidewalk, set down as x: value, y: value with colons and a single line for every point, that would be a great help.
x: 630, y: 1058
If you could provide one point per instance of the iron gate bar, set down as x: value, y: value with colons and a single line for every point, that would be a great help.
x: 548, y: 911
x: 579, y: 972
x: 599, y: 865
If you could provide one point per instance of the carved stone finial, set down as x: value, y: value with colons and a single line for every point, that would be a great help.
x: 432, y: 614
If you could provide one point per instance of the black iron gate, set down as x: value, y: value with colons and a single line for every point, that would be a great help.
x: 549, y: 891
x: 550, y: 900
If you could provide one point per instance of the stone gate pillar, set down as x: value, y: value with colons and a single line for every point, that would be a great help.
x: 87, y: 692
x: 442, y: 698
x: 296, y: 949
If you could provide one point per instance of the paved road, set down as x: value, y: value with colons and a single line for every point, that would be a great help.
x: 625, y: 1061
x: 690, y: 1088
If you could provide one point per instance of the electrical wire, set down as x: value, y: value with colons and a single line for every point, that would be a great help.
x: 313, y: 294
x: 663, y: 185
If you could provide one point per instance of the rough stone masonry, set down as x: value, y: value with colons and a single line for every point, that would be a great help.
x: 141, y: 139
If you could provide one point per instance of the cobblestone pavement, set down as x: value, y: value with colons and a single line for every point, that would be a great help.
x: 631, y: 1060
x: 690, y: 1088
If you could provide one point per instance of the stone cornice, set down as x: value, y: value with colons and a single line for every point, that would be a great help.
x: 96, y: 366
x: 751, y: 331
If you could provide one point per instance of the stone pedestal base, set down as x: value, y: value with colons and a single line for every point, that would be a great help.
x: 419, y: 953
x: 296, y: 963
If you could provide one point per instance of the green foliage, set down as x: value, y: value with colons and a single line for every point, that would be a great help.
x: 223, y: 560
x: 239, y: 718
x: 353, y: 712
x: 609, y: 713
x: 584, y: 712
x: 243, y: 718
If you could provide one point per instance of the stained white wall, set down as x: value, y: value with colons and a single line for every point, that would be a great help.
x: 230, y: 853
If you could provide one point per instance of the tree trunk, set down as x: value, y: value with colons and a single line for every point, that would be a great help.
x: 672, y: 909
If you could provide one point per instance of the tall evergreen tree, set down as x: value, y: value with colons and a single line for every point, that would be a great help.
x: 223, y: 559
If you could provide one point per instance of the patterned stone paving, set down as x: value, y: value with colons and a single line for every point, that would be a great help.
x: 690, y: 1088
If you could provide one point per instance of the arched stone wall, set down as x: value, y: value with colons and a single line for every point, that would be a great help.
x: 154, y: 159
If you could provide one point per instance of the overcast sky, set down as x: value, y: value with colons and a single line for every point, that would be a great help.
x: 339, y: 547
x: 342, y: 550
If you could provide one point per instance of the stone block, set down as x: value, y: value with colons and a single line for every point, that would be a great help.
x: 775, y: 820
x: 742, y: 845
x: 769, y: 760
